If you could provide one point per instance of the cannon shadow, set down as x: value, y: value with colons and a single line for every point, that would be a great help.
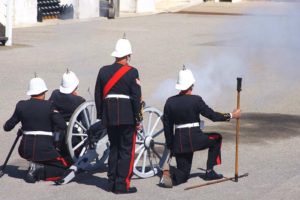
x: 88, y: 178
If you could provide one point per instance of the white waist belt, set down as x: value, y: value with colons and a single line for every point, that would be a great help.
x: 37, y: 133
x: 189, y: 125
x: 121, y: 96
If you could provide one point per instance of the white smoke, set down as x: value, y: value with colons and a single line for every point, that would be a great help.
x: 262, y: 48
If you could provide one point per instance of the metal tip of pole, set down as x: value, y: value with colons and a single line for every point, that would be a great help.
x: 239, y: 84
x: 68, y: 71
x: 183, y: 67
x: 35, y: 75
x: 124, y: 35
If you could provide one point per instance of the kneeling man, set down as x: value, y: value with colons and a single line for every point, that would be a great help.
x: 182, y: 113
x: 38, y: 118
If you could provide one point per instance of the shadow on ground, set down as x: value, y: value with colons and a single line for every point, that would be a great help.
x: 15, y: 171
x: 259, y: 128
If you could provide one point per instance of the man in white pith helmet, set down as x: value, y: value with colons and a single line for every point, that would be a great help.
x: 66, y: 100
x: 182, y: 113
x: 38, y: 118
x: 118, y: 103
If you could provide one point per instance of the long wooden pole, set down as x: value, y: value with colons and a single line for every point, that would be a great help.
x: 214, y: 182
x: 237, y: 137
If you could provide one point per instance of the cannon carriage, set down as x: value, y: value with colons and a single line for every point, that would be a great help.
x: 150, y: 150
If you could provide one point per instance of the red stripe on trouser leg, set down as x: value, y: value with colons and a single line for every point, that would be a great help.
x: 53, y: 178
x: 131, y: 162
x: 218, y: 161
x: 63, y: 161
x: 216, y: 137
x: 213, y: 137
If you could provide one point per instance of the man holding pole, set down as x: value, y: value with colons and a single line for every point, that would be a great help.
x: 182, y: 112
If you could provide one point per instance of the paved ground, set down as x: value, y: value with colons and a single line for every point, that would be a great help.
x: 258, y: 41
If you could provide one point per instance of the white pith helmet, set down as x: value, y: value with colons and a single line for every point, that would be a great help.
x: 123, y: 48
x: 36, y: 86
x: 185, y: 79
x: 69, y: 82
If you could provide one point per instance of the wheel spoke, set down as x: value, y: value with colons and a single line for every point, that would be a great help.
x: 139, y: 142
x: 81, y: 126
x: 149, y: 122
x: 82, y: 151
x: 160, y: 143
x: 154, y: 126
x: 139, y: 148
x: 150, y: 160
x: 79, y: 134
x: 87, y: 120
x: 144, y: 162
x: 79, y: 144
x: 156, y: 153
x: 157, y: 133
x: 138, y: 157
x: 93, y: 118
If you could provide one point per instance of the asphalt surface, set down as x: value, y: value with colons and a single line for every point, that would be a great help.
x: 257, y: 41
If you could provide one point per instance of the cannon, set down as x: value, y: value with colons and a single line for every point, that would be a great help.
x: 150, y: 150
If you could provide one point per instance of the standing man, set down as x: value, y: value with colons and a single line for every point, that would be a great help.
x: 182, y: 112
x: 118, y: 103
x: 38, y: 118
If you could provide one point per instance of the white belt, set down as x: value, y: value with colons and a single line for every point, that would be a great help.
x: 121, y: 96
x: 189, y: 125
x: 37, y: 133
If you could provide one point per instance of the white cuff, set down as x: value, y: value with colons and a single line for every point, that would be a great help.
x: 230, y: 115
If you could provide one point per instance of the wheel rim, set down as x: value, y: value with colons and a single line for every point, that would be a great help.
x: 83, y: 117
x: 151, y: 151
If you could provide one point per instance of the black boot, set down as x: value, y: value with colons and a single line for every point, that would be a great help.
x: 130, y: 190
x: 35, y: 173
x: 212, y: 175
x: 110, y: 187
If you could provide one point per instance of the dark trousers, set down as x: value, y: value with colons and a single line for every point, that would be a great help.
x: 121, y: 157
x: 55, y: 168
x: 214, y: 144
x: 181, y: 173
x: 184, y: 160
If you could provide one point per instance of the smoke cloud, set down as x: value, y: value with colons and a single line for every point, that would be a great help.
x: 263, y: 48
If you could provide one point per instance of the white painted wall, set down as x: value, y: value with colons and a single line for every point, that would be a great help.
x: 145, y: 6
x: 2, y: 12
x: 84, y: 9
x: 25, y: 12
x: 128, y: 5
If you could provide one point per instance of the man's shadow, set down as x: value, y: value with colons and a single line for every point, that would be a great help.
x: 87, y: 177
x: 14, y: 171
